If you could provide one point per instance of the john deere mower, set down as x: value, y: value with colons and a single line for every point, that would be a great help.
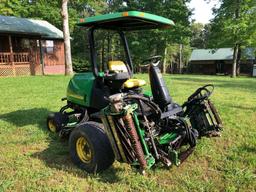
x: 109, y: 117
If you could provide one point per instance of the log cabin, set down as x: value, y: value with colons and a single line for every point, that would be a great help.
x: 219, y: 61
x: 30, y: 47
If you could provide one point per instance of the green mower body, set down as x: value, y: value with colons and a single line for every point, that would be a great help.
x: 80, y: 89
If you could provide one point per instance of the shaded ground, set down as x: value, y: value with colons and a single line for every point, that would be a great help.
x: 31, y: 159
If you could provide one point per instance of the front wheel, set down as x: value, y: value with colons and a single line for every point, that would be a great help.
x: 55, y: 121
x: 90, y: 148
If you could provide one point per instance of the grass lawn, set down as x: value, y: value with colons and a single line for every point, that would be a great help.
x: 31, y: 159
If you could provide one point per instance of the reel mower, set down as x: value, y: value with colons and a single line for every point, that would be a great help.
x: 109, y: 117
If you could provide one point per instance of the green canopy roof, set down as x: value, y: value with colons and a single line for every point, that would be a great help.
x: 16, y: 25
x: 125, y: 21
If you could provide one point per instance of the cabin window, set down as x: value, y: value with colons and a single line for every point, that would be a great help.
x: 25, y: 44
x: 49, y: 46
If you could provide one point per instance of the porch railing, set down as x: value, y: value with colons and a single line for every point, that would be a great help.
x: 15, y: 64
x: 14, y: 58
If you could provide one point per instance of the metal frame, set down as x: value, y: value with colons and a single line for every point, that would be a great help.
x: 95, y: 69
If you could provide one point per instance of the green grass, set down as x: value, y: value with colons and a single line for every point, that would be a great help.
x: 31, y: 159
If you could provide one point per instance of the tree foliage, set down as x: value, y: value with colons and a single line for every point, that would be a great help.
x: 234, y: 23
x: 155, y: 42
x: 10, y: 7
x: 142, y: 44
x: 234, y: 26
x: 200, y: 35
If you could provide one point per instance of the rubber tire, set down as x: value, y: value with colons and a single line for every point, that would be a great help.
x: 102, y: 153
x: 59, y: 120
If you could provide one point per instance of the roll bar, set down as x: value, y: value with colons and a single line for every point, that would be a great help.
x: 93, y: 58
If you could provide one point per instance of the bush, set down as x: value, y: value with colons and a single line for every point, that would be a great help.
x: 81, y: 64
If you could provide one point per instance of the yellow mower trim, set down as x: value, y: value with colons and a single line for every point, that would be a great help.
x: 132, y: 83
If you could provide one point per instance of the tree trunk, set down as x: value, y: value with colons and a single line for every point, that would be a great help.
x: 235, y: 57
x: 180, y: 59
x: 236, y: 48
x: 66, y: 34
x: 164, y: 62
x: 238, y: 61
x: 171, y: 66
x: 103, y: 55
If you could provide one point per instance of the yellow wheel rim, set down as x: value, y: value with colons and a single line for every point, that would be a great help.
x: 52, y: 126
x: 83, y: 149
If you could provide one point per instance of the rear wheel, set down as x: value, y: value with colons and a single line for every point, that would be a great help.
x: 90, y: 148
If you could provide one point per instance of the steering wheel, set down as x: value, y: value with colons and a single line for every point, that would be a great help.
x: 200, y: 94
x: 155, y: 60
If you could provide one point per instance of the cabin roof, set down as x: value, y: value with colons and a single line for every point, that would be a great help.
x: 220, y: 54
x: 211, y: 54
x: 127, y: 21
x: 33, y: 27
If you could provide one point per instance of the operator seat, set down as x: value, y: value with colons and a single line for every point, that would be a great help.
x: 161, y: 93
x: 120, y: 67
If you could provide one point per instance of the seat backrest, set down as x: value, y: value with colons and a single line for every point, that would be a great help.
x: 159, y: 89
x: 117, y: 66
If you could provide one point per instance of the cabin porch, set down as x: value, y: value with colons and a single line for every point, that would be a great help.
x: 19, y: 56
